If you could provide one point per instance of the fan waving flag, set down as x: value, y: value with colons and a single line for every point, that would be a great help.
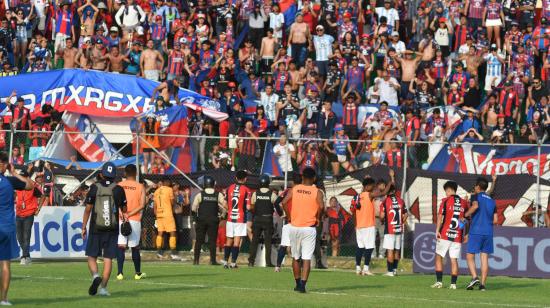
x: 270, y: 164
x: 173, y: 121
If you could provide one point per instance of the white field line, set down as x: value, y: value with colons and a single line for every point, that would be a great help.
x: 201, y: 286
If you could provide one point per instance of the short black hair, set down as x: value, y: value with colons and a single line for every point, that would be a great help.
x: 309, y: 173
x: 130, y: 170
x: 368, y: 181
x: 4, y: 157
x: 297, y: 178
x: 451, y: 185
x: 482, y: 183
x: 391, y: 190
x: 381, y: 181
x: 241, y: 175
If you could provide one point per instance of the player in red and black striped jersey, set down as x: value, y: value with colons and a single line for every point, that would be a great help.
x: 238, y: 202
x: 449, y: 233
x: 393, y: 214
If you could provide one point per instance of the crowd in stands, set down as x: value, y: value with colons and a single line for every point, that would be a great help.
x: 307, y: 74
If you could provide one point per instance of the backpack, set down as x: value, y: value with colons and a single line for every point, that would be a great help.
x: 105, y: 211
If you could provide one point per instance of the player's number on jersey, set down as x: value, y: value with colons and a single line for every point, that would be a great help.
x: 394, y: 217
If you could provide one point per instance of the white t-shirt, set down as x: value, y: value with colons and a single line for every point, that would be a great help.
x: 442, y: 37
x: 276, y: 21
x: 39, y: 7
x: 284, y: 158
x: 399, y: 47
x: 323, y: 46
x: 390, y: 14
x: 269, y: 102
x: 386, y: 91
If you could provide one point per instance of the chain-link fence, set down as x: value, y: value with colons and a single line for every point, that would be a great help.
x: 421, y: 168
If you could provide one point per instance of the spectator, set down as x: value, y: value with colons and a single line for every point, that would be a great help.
x: 388, y: 87
x: 284, y: 152
x: 249, y: 148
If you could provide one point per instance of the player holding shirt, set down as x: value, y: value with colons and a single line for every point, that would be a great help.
x: 394, y: 215
x: 449, y: 233
x: 483, y: 213
x: 238, y: 201
x: 362, y: 208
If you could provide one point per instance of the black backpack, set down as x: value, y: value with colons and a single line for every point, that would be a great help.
x: 105, y: 211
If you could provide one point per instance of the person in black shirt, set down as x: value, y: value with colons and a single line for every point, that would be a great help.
x: 261, y: 204
x: 472, y: 95
x: 103, y: 235
x: 207, y: 206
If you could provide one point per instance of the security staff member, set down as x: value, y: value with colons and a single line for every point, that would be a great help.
x: 261, y: 204
x: 207, y: 206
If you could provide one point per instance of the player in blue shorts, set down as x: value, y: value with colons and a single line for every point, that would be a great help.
x: 8, y: 241
x: 480, y: 241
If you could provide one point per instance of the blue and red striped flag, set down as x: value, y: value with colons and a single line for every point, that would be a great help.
x: 270, y: 164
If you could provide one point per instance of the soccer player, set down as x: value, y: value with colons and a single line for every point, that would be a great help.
x: 8, y: 241
x: 480, y: 241
x: 307, y: 208
x: 103, y: 197
x: 362, y: 207
x: 394, y: 214
x: 135, y: 202
x: 163, y: 202
x: 238, y: 200
x: 449, y: 233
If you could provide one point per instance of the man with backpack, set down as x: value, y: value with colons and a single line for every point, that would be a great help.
x: 104, y: 201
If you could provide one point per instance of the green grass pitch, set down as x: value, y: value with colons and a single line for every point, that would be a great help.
x: 65, y: 284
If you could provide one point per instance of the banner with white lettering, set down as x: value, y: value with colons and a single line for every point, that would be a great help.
x: 95, y: 93
x: 518, y: 252
x: 86, y: 138
x: 56, y: 233
x: 484, y: 159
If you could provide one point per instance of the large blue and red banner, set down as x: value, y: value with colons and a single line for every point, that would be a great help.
x: 87, y: 139
x: 95, y: 93
x: 487, y: 160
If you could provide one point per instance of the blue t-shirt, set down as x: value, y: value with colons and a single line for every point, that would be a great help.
x: 8, y: 185
x: 482, y: 219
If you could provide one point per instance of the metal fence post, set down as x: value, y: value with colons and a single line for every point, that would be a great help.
x: 403, y: 190
x: 137, y: 155
x: 12, y: 132
x: 538, y: 186
x: 286, y: 165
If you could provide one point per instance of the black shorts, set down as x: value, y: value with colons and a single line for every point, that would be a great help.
x: 148, y: 150
x: 102, y: 244
x: 333, y: 158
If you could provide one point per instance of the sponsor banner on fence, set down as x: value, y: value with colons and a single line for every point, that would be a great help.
x: 95, y: 93
x: 56, y: 233
x: 518, y: 252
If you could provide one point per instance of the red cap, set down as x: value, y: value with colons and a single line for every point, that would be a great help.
x: 158, y: 17
x: 231, y: 84
x: 500, y: 115
x: 365, y: 36
x: 388, y: 122
x: 347, y: 15
x: 442, y: 19
x: 198, y: 109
